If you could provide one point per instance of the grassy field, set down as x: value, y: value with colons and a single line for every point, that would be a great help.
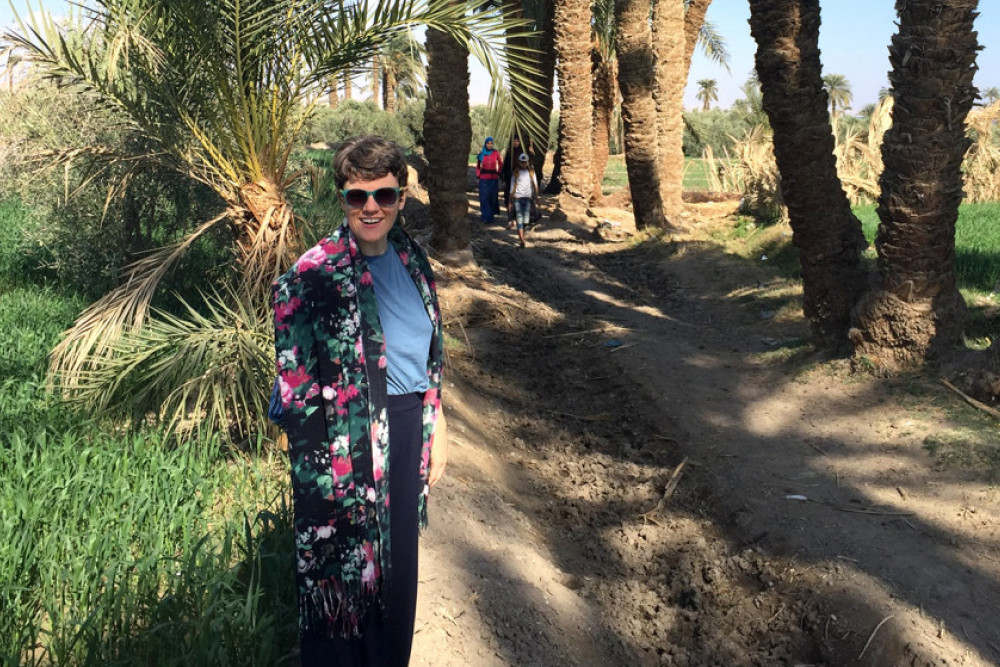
x: 118, y: 547
x: 977, y: 243
x: 696, y: 175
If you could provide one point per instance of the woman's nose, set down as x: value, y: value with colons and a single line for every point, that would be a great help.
x: 370, y: 205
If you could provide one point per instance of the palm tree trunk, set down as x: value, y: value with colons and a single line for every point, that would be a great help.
x: 694, y: 18
x: 389, y: 90
x: 447, y: 126
x: 671, y: 76
x: 376, y: 80
x: 824, y: 229
x: 346, y: 79
x: 331, y: 97
x: 572, y: 45
x: 604, y: 106
x: 917, y: 312
x: 637, y: 81
x: 546, y: 80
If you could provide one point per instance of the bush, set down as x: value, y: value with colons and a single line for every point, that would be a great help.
x: 351, y: 118
x: 88, y: 222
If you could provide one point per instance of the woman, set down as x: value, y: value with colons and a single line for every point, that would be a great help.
x: 489, y: 164
x: 359, y: 354
x: 523, y: 191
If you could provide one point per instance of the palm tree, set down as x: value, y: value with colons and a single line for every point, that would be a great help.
x: 376, y: 79
x: 447, y: 123
x: 403, y: 69
x: 332, y: 99
x: 576, y: 115
x: 605, y: 78
x: 838, y: 89
x: 751, y: 105
x: 824, y: 229
x: 637, y: 81
x: 917, y: 311
x: 217, y: 89
x: 991, y: 95
x: 708, y: 92
x: 671, y: 77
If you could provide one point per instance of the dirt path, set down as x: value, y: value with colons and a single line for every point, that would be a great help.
x: 809, y: 525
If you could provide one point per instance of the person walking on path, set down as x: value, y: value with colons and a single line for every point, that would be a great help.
x: 509, y: 162
x: 489, y: 164
x: 523, y: 192
x: 359, y: 358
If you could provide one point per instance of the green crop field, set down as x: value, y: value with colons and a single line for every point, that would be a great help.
x: 977, y: 243
x: 118, y: 547
x: 695, y: 174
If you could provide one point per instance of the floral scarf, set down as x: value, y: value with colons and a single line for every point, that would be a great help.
x: 332, y: 380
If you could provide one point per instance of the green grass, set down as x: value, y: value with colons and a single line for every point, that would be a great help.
x: 977, y: 243
x: 120, y: 547
x: 615, y: 175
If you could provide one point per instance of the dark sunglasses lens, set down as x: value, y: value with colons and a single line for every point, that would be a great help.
x: 386, y: 196
x: 356, y: 198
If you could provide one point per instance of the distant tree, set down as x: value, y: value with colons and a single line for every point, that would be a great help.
x: 991, y: 95
x: 838, y: 88
x: 751, y: 105
x: 403, y: 69
x: 708, y: 92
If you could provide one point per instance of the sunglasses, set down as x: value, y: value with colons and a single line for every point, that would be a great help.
x: 384, y: 197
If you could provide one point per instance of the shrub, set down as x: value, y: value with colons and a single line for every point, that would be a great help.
x: 87, y: 224
x: 352, y: 117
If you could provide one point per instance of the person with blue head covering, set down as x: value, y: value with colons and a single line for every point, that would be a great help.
x: 489, y: 164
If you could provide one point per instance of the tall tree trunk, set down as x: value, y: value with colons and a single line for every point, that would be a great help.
x: 917, y: 311
x: 604, y: 107
x: 668, y: 47
x: 447, y: 135
x: 331, y: 96
x: 824, y: 229
x: 389, y: 90
x: 376, y: 80
x: 554, y: 185
x: 346, y: 79
x: 572, y: 44
x: 637, y: 81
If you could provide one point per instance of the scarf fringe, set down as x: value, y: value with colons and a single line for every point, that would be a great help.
x: 332, y: 609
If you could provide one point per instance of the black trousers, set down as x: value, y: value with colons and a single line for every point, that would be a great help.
x: 386, y: 641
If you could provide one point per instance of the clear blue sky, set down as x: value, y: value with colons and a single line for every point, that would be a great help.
x: 854, y: 40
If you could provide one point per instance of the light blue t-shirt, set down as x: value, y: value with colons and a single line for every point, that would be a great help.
x: 405, y: 324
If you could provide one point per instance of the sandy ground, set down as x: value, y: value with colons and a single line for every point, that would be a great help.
x: 639, y: 476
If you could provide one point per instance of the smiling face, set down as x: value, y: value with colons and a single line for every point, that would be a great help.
x: 371, y: 223
x: 489, y: 145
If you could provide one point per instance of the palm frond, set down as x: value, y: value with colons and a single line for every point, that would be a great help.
x: 93, y: 339
x: 207, y: 369
x: 713, y: 45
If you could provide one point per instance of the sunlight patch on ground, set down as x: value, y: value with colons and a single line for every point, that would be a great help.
x: 645, y: 310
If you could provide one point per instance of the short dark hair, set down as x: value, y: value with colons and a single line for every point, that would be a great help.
x: 365, y: 158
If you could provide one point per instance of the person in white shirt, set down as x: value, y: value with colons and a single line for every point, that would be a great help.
x: 523, y: 191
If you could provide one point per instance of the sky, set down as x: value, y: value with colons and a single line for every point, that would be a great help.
x: 854, y: 40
